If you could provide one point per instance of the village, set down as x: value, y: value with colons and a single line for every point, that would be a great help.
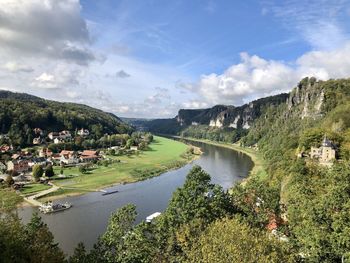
x: 51, y: 153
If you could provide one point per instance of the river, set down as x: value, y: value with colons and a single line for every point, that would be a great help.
x: 88, y: 217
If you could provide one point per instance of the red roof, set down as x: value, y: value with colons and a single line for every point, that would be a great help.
x: 88, y: 153
x: 64, y: 152
x: 272, y: 224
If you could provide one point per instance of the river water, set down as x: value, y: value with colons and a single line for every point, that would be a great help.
x: 88, y: 217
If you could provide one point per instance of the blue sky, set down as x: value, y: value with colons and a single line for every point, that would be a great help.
x: 200, y: 37
x: 150, y: 58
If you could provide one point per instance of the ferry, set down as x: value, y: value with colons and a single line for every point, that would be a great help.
x: 50, y: 207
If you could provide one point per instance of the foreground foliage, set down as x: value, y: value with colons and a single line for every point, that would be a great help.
x: 27, y: 243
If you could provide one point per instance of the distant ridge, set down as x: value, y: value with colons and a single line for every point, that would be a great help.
x: 21, y: 112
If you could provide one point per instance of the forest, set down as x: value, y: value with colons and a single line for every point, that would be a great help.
x: 20, y: 113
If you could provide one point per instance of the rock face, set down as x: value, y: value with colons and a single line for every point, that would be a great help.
x: 229, y: 116
x: 309, y: 97
x: 306, y: 100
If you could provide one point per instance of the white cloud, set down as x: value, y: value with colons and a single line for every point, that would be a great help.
x: 194, y: 104
x: 255, y: 77
x: 16, y: 67
x: 45, y: 81
x: 49, y: 28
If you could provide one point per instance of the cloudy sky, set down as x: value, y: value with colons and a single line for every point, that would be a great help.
x: 148, y: 58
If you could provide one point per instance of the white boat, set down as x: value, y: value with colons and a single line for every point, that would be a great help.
x: 50, y: 207
x: 153, y: 216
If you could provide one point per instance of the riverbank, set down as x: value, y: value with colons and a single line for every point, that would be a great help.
x: 163, y: 155
x: 258, y: 170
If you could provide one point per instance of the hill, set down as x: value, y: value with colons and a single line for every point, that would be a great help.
x: 20, y: 113
x: 304, y: 201
x: 220, y: 122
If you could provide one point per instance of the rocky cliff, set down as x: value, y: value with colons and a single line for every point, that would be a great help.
x: 229, y: 116
x: 309, y: 99
x: 308, y: 96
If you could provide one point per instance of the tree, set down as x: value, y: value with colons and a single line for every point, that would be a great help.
x: 198, y: 198
x: 79, y: 254
x: 120, y: 226
x: 49, y: 172
x: 143, y: 145
x: 82, y: 169
x: 37, y: 172
x: 42, y: 247
x: 229, y: 240
x: 129, y: 142
x: 9, y: 180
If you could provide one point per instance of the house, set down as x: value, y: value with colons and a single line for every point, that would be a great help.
x: 19, y: 166
x: 53, y: 135
x: 21, y: 155
x: 39, y: 132
x: 65, y: 152
x: 325, y: 154
x: 65, y: 135
x: 58, y: 140
x: 5, y: 148
x: 45, y: 152
x: 83, y: 132
x: 37, y: 141
x: 69, y: 159
x: 88, y: 153
x: 38, y: 160
x: 114, y: 148
x: 62, y: 135
x: 134, y: 148
x: 55, y: 158
x: 89, y: 156
x: 88, y: 159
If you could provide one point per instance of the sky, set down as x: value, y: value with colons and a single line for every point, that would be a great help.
x: 149, y: 58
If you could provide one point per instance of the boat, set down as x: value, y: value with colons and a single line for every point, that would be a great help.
x: 50, y: 207
x: 110, y: 192
x: 150, y: 218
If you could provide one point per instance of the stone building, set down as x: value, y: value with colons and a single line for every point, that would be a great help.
x: 325, y: 154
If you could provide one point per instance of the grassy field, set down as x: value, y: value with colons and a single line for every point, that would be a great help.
x: 9, y: 199
x: 33, y: 188
x: 258, y: 170
x: 163, y: 154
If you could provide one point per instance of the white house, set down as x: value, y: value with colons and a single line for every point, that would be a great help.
x: 134, y: 148
x: 83, y: 132
x: 53, y: 135
x: 37, y: 141
x: 58, y: 140
x: 38, y: 160
x: 68, y: 159
x: 65, y: 135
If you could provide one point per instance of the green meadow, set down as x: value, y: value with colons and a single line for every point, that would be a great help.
x: 163, y: 154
